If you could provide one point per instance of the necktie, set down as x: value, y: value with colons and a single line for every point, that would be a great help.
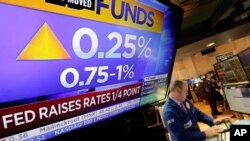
x: 183, y: 107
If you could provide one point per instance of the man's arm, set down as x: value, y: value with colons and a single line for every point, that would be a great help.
x: 177, y: 129
x: 202, y: 117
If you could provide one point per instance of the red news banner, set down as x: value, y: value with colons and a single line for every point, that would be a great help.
x: 20, y: 118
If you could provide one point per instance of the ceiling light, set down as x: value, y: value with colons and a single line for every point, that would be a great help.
x: 210, y: 44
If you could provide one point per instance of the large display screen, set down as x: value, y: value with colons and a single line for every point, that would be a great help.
x: 238, y: 99
x: 69, y: 64
x: 230, y: 71
x: 244, y: 57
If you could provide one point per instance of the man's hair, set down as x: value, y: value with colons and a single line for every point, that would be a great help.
x: 206, y: 75
x: 176, y: 84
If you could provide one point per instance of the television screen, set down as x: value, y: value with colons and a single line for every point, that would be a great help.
x: 244, y: 57
x: 238, y: 99
x: 223, y: 57
x: 66, y: 65
x: 230, y: 71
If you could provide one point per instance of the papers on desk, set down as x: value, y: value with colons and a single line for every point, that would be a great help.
x: 224, y: 136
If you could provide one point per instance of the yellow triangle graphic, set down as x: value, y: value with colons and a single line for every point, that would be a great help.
x: 44, y: 46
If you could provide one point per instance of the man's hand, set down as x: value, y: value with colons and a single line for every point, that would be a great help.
x: 213, y: 131
x: 220, y: 120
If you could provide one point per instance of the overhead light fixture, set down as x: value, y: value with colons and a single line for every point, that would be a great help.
x: 210, y: 44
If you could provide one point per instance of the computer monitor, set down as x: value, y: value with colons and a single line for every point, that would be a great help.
x: 231, y: 72
x: 244, y: 57
x: 66, y: 65
x: 238, y: 98
x: 223, y: 57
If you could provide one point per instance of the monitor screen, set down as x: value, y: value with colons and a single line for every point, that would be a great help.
x: 238, y: 99
x: 223, y: 57
x: 230, y: 71
x: 244, y: 59
x: 66, y: 65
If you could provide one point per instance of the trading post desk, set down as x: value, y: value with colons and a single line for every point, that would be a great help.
x: 225, y: 136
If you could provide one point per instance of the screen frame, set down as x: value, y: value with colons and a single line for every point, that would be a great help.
x: 177, y: 16
x: 248, y: 77
x: 235, y: 83
x: 241, y: 86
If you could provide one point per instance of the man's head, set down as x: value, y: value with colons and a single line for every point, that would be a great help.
x: 179, y: 90
x: 208, y: 76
